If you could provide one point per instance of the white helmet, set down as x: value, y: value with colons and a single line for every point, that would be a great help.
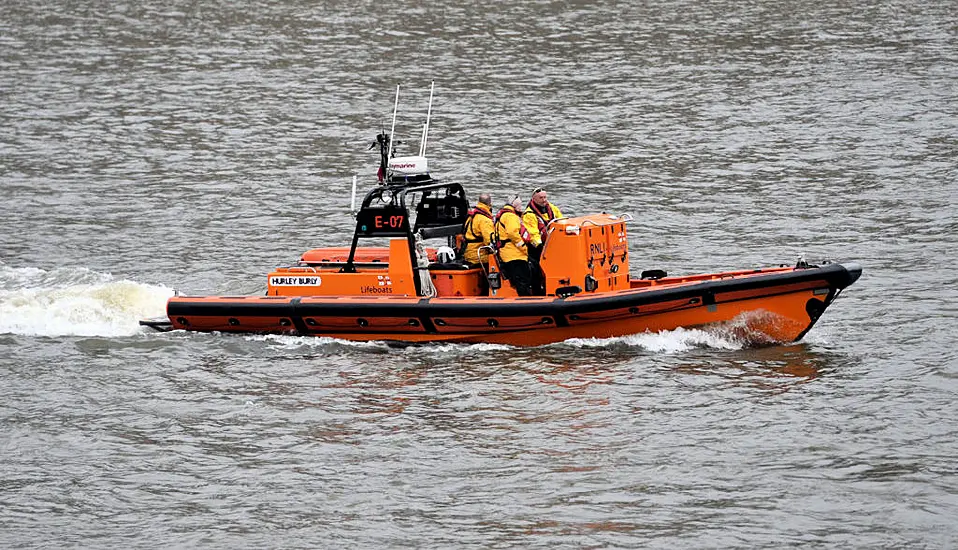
x: 445, y: 255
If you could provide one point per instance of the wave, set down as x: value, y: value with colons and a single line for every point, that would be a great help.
x: 75, y: 302
x: 293, y: 341
x: 669, y: 341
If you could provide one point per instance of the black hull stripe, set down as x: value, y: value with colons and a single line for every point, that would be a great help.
x: 834, y: 276
x: 560, y: 322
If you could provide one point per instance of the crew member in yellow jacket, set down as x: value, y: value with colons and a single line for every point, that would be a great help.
x: 539, y: 212
x: 512, y: 239
x: 478, y: 230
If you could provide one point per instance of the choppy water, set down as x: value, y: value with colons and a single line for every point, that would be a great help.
x: 154, y: 146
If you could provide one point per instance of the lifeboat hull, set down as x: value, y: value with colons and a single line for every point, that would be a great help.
x: 762, y: 306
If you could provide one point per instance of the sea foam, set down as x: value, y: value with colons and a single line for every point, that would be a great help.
x: 75, y: 302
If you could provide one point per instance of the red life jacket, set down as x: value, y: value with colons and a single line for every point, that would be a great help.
x: 540, y: 216
x: 523, y: 232
x: 467, y: 227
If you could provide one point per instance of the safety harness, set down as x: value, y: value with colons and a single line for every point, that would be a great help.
x: 523, y: 232
x: 467, y: 229
x: 498, y: 243
x: 540, y: 216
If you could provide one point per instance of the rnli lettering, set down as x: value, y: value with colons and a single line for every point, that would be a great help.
x: 377, y: 290
x: 296, y: 281
x: 392, y: 222
x: 596, y: 249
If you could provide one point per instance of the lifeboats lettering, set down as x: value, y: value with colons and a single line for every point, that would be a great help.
x: 296, y: 281
x: 376, y: 290
x: 392, y: 222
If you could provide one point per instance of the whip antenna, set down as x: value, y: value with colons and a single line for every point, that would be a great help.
x: 425, y: 129
x: 393, y: 129
x: 352, y: 202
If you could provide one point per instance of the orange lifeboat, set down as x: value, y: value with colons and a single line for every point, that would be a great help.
x: 408, y: 292
x: 403, y: 293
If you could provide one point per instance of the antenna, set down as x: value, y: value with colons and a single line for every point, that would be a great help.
x: 352, y: 202
x: 425, y: 129
x: 393, y: 129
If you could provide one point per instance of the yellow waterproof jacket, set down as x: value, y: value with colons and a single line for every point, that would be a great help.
x: 536, y: 220
x: 510, y: 235
x: 479, y: 228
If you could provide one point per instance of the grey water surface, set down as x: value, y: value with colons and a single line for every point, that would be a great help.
x: 150, y: 146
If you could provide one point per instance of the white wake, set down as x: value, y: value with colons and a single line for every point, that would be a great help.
x: 75, y: 302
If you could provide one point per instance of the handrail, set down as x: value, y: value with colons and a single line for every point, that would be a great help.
x: 332, y: 264
x: 442, y: 231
